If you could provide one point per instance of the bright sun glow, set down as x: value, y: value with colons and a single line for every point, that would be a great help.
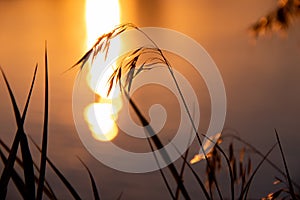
x: 101, y: 17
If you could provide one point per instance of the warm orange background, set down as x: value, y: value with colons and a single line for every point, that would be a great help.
x: 261, y: 81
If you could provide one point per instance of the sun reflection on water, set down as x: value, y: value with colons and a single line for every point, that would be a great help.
x: 101, y: 17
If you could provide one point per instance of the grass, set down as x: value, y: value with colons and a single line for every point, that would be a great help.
x: 241, y: 172
x: 27, y: 187
x: 279, y: 19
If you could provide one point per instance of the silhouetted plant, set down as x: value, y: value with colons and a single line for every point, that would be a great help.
x: 278, y: 19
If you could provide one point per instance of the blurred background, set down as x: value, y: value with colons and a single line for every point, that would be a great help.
x: 261, y: 80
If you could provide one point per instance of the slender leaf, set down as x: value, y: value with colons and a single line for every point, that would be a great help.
x: 94, y: 186
x: 60, y: 175
x: 45, y: 134
x: 262, y: 155
x: 20, y: 137
x: 181, y: 173
x: 245, y: 190
x: 15, y: 177
x: 291, y: 188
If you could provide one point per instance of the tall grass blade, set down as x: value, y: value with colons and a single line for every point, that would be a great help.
x: 20, y: 137
x: 64, y: 180
x: 28, y: 167
x: 291, y: 188
x: 60, y: 175
x: 45, y: 134
x: 245, y: 190
x: 181, y: 173
x: 254, y: 149
x: 94, y: 186
x: 177, y: 193
x: 231, y: 174
x: 8, y: 168
x: 29, y: 94
x: 12, y: 98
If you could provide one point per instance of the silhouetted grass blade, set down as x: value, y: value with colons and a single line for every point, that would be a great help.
x: 254, y: 149
x: 20, y: 137
x: 15, y: 177
x: 245, y: 190
x: 64, y: 180
x: 60, y: 175
x: 83, y: 60
x: 291, y: 188
x: 12, y: 98
x: 28, y: 167
x: 94, y: 186
x: 45, y: 134
x: 177, y: 193
x: 47, y: 190
x: 26, y: 155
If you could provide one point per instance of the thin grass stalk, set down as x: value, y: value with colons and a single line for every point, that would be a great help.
x: 159, y: 145
x: 60, y: 175
x: 94, y: 186
x: 39, y: 195
x: 22, y: 139
x: 262, y: 155
x: 229, y: 168
x: 291, y: 188
x: 177, y: 194
x: 64, y: 180
x: 245, y: 190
